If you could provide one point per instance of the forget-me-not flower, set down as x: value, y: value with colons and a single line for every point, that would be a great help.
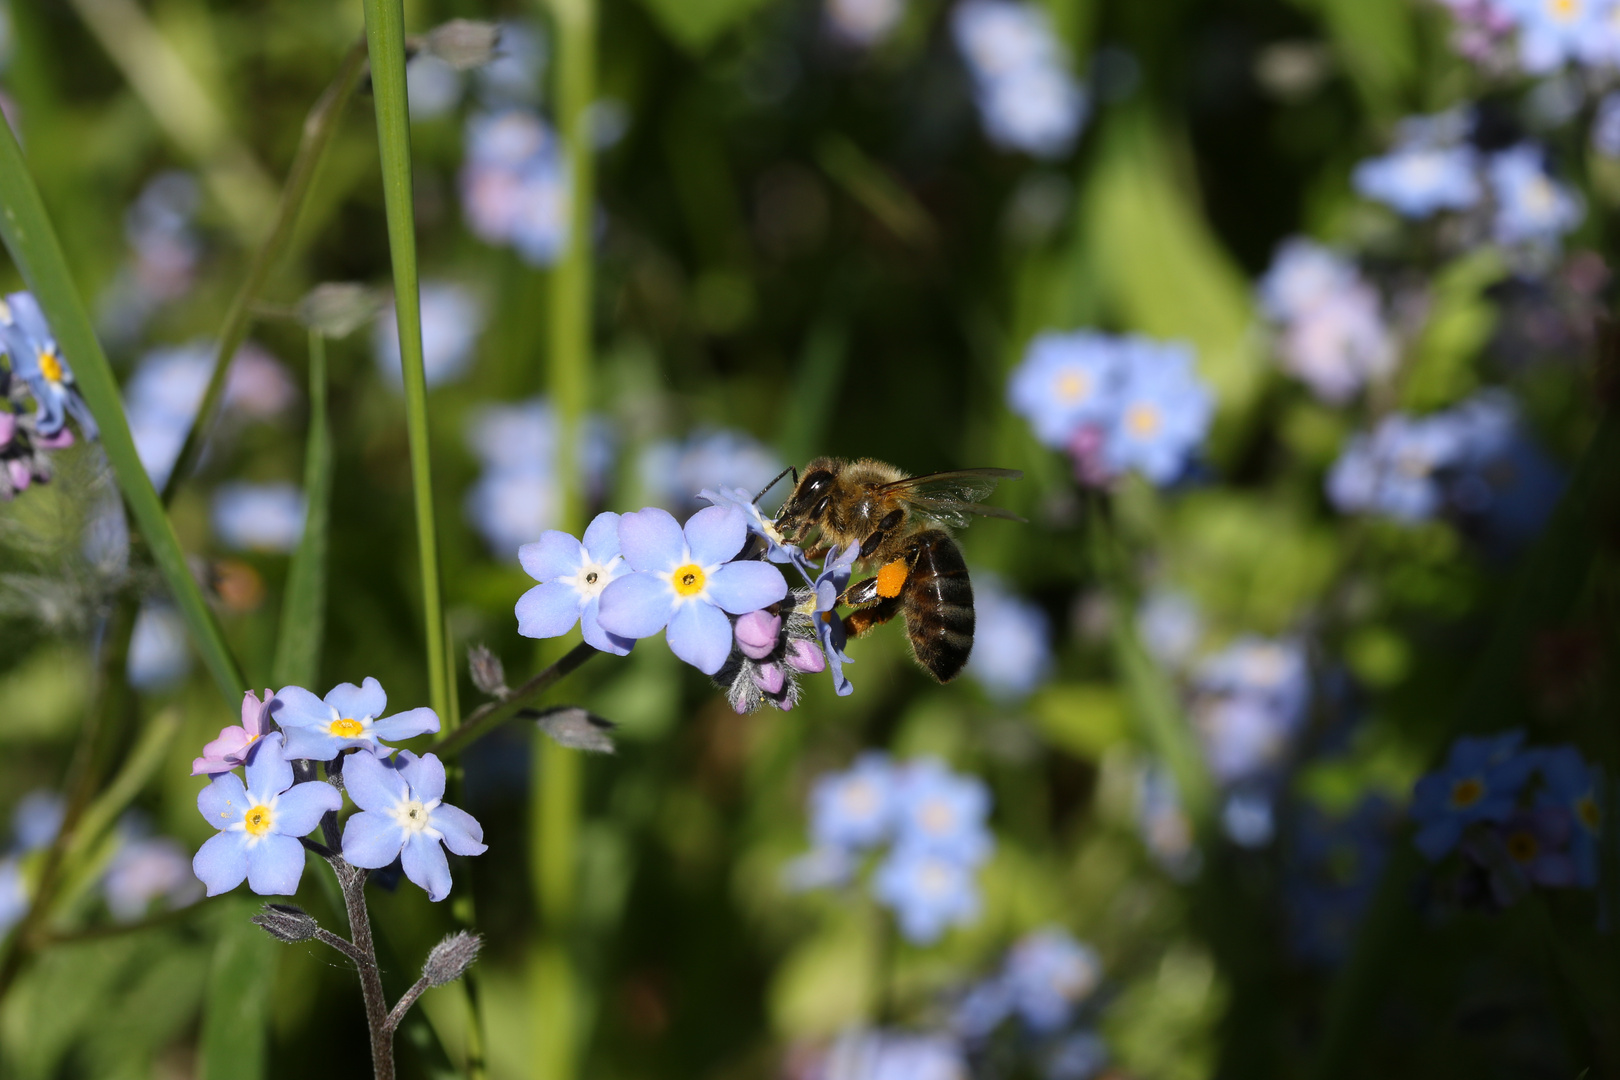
x: 37, y: 362
x: 259, y: 824
x: 929, y: 892
x: 1552, y: 32
x: 684, y: 581
x: 403, y: 815
x: 1012, y: 648
x: 1571, y: 785
x: 1064, y: 381
x: 1164, y: 412
x: 1048, y: 974
x: 739, y: 499
x: 1027, y: 96
x: 231, y: 748
x: 1480, y: 781
x: 159, y: 648
x: 572, y: 575
x: 854, y: 809
x: 13, y: 894
x: 828, y: 586
x: 1531, y: 207
x: 319, y: 729
x: 1418, y: 180
x: 937, y: 810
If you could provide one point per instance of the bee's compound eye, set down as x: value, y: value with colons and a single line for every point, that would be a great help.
x: 820, y: 508
x: 815, y: 483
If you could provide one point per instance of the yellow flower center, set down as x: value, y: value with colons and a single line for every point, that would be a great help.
x: 50, y: 366
x: 1586, y: 809
x: 257, y: 820
x: 1564, y: 9
x: 1072, y: 385
x: 346, y: 728
x: 1522, y: 846
x: 1143, y: 420
x: 1465, y: 793
x: 688, y: 580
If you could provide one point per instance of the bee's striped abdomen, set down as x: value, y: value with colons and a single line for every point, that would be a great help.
x: 939, y: 605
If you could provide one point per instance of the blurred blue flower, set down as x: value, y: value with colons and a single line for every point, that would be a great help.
x: 1012, y: 648
x: 1418, y: 179
x: 1027, y: 96
x: 403, y: 816
x: 516, y: 499
x: 259, y: 517
x: 928, y: 891
x: 938, y: 811
x: 864, y: 22
x: 854, y: 809
x: 673, y: 473
x: 985, y: 1006
x: 159, y: 649
x: 1536, y: 842
x: 144, y: 869
x: 514, y: 185
x: 1164, y: 826
x: 433, y: 87
x: 1605, y: 134
x: 35, y: 360
x: 37, y: 818
x: 1170, y: 627
x: 13, y: 894
x: 683, y: 580
x: 1333, y: 335
x: 1165, y: 411
x: 1504, y: 487
x: 1065, y: 381
x: 1303, y: 274
x: 514, y: 75
x: 1079, y: 1056
x: 1571, y: 786
x: 348, y: 717
x: 1272, y: 671
x: 1552, y: 32
x: 1531, y: 207
x: 259, y: 824
x: 1048, y: 975
x: 1248, y: 818
x: 572, y: 575
x: 452, y: 319
x: 887, y: 1055
x: 1480, y: 781
x: 1394, y: 472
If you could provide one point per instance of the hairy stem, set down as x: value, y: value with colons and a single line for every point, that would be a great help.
x: 352, y: 880
x: 482, y: 720
x: 403, y: 1005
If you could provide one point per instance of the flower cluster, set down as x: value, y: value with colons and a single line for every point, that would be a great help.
x: 1523, y: 816
x: 1012, y: 648
x: 1433, y: 167
x: 1115, y: 404
x: 1045, y: 982
x: 517, y: 497
x: 1471, y: 463
x: 452, y: 319
x: 31, y: 367
x: 1250, y: 703
x: 1550, y: 33
x: 1331, y: 870
x: 514, y: 184
x: 931, y: 819
x: 1331, y: 330
x: 261, y: 823
x: 1027, y: 95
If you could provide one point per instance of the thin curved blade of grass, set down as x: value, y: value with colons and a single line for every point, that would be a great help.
x: 385, y: 37
x: 1491, y: 700
x: 319, y: 127
x: 303, y: 608
x: 28, y: 235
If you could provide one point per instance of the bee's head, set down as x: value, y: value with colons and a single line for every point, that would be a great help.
x: 810, y: 499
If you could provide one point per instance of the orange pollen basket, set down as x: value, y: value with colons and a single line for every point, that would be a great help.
x: 891, y: 578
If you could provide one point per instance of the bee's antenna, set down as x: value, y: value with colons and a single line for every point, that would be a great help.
x: 766, y: 490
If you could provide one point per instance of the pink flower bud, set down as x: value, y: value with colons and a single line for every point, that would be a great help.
x: 20, y: 476
x: 805, y: 657
x: 770, y: 678
x: 8, y: 426
x: 757, y: 632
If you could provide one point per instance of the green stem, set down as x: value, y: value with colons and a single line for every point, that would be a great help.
x: 385, y: 35
x: 319, y: 127
x: 486, y: 717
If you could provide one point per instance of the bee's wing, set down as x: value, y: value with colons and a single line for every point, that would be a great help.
x: 952, y: 498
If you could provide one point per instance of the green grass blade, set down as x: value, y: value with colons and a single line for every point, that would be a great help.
x: 234, y: 1040
x: 385, y: 36
x: 29, y: 237
x: 303, y: 609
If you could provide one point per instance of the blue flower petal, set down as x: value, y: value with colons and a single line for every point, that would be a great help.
x: 595, y: 636
x: 700, y: 634
x: 295, y: 707
x: 371, y: 840
x: 715, y: 534
x: 425, y: 774
x: 372, y: 782
x: 221, y: 863
x: 636, y: 605
x: 651, y: 539
x: 741, y: 587
x: 548, y: 610
x: 462, y: 833
x: 425, y: 864
x: 268, y: 773
x: 310, y: 744
x: 554, y: 555
x: 602, y: 537
x: 223, y: 801
x: 353, y: 702
x: 418, y: 721
x: 274, y: 865
x: 300, y: 808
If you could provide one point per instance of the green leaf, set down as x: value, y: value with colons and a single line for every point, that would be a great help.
x: 29, y: 237
x: 236, y: 1009
x: 1082, y: 718
x: 695, y: 24
x: 1460, y: 324
x: 1162, y: 270
x: 303, y: 609
x: 1377, y: 43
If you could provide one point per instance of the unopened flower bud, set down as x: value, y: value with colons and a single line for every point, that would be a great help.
x: 451, y: 958
x: 757, y: 633
x: 284, y: 922
x: 488, y: 673
x: 576, y: 729
x: 803, y: 656
x: 770, y: 678
x: 339, y: 308
x: 464, y: 44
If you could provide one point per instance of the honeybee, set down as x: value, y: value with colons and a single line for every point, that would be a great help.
x: 899, y: 522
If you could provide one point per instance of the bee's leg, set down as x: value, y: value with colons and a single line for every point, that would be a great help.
x: 857, y: 623
x: 860, y: 594
x: 886, y: 586
x: 871, y: 543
